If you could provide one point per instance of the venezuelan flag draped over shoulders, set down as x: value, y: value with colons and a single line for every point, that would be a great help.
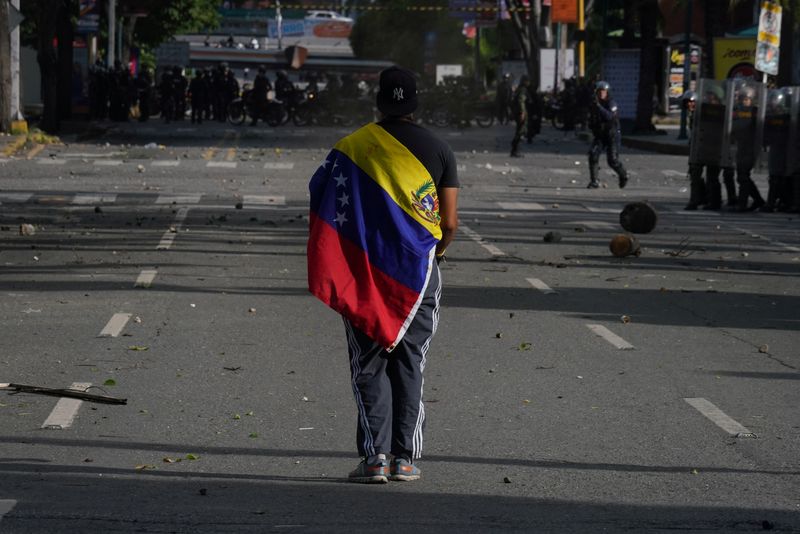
x: 374, y: 225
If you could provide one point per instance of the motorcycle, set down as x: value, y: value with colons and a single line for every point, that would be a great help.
x: 274, y: 112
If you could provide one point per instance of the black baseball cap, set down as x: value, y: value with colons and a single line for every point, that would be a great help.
x: 397, y: 92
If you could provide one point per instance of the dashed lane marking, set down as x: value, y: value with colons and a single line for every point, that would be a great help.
x: 279, y: 165
x: 541, y: 286
x: 34, y: 151
x: 719, y: 418
x: 3, y: 161
x: 6, y: 505
x: 169, y: 236
x: 527, y: 206
x: 602, y: 210
x: 115, y: 325
x: 790, y: 248
x: 50, y: 161
x: 673, y: 174
x: 596, y: 225
x: 108, y: 162
x: 493, y: 250
x: 83, y: 199
x: 610, y: 336
x: 566, y: 172
x: 222, y: 164
x: 145, y: 278
x: 178, y: 199
x: 263, y: 200
x: 65, y: 410
x: 166, y: 163
x: 90, y: 155
x: 15, y: 197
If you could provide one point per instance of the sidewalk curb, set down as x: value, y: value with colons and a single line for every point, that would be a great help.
x: 14, y: 145
x: 652, y: 145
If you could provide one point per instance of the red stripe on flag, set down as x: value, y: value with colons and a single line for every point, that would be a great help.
x: 341, y: 276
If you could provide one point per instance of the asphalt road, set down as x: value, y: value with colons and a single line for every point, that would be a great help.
x: 567, y: 390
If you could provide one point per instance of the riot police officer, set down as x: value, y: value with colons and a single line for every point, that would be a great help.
x: 166, y: 90
x: 698, y: 193
x: 519, y: 110
x: 777, y: 135
x: 283, y: 87
x: 604, y: 124
x: 231, y: 89
x: 742, y: 137
x: 198, y: 91
x: 144, y: 86
x: 503, y: 97
x: 259, y: 95
x: 179, y: 85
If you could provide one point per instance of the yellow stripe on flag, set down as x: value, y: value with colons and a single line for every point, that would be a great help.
x: 389, y: 163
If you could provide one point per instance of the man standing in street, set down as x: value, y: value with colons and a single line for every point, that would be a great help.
x: 519, y: 108
x: 383, y: 211
x: 604, y: 123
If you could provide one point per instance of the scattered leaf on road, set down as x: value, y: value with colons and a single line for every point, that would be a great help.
x: 138, y: 348
x: 191, y: 456
x: 142, y: 467
x: 524, y: 346
x: 110, y: 382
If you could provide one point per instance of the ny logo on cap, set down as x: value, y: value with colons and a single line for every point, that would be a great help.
x: 398, y: 93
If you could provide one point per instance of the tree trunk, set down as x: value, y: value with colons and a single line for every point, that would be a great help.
x: 786, y: 59
x: 648, y: 63
x: 628, y: 39
x: 526, y: 29
x: 716, y: 24
x: 48, y: 65
x: 65, y: 36
x: 5, y: 69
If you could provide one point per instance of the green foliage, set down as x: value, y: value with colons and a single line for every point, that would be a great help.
x: 167, y: 19
x: 399, y: 35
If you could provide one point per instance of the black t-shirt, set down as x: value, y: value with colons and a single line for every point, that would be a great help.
x: 434, y: 154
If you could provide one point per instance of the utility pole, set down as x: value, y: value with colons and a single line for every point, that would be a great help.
x: 279, y: 21
x: 111, y: 53
x: 582, y: 41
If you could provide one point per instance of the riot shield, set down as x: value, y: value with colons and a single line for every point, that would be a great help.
x: 710, y: 139
x: 746, y: 106
x: 777, y: 129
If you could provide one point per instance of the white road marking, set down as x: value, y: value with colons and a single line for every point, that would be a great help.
x: 169, y: 236
x: 87, y: 155
x: 718, y: 417
x: 82, y: 199
x: 672, y: 173
x: 166, y: 163
x: 108, y: 162
x: 541, y: 286
x: 279, y: 165
x: 4, y: 160
x: 603, y: 210
x: 788, y: 247
x: 610, y: 336
x: 528, y: 206
x: 15, y: 197
x: 263, y: 200
x: 115, y: 325
x: 567, y: 172
x: 65, y: 411
x: 493, y: 250
x: 6, y: 505
x: 500, y: 168
x: 178, y: 199
x: 145, y: 278
x: 51, y: 161
x: 596, y: 225
x: 222, y: 164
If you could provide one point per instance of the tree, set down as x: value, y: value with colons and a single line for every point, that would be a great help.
x: 648, y: 13
x: 5, y: 69
x: 526, y: 24
x: 396, y: 32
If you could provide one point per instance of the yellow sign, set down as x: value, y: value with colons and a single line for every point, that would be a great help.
x: 734, y: 57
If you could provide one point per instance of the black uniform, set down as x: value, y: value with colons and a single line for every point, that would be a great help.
x: 503, y: 100
x: 604, y: 123
x: 259, y: 95
x: 535, y: 110
x: 198, y: 89
x: 144, y: 93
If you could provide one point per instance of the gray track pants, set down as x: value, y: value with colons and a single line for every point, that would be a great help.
x: 388, y: 386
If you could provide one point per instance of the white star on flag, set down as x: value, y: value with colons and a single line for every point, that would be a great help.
x: 340, y: 218
x: 344, y: 199
x: 341, y: 180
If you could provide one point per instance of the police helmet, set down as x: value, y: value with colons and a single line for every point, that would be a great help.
x: 779, y: 99
x: 281, y: 74
x: 224, y: 65
x: 602, y: 86
x: 262, y: 69
x: 689, y: 96
x: 507, y: 76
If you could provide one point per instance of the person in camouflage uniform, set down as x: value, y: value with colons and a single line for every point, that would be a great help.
x: 519, y: 108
